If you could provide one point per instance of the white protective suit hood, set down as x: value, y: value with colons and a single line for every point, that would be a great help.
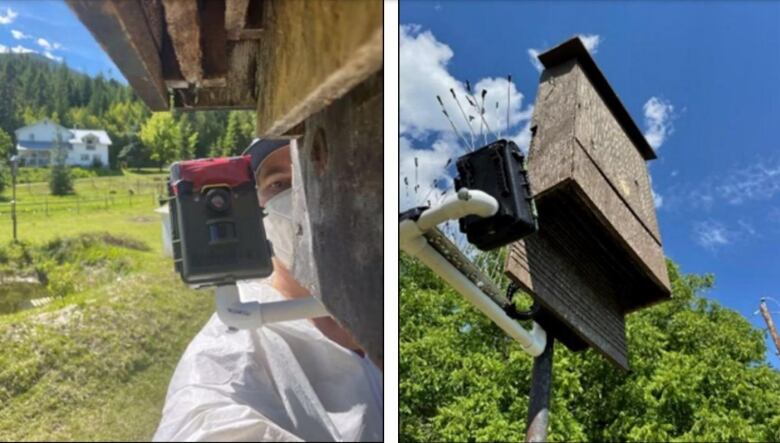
x: 282, y: 382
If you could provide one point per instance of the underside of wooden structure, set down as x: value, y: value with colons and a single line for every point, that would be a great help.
x: 312, y: 70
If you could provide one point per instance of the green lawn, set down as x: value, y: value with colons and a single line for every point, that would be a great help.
x: 95, y: 365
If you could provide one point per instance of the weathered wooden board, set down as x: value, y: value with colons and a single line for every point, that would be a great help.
x: 124, y: 32
x: 311, y: 53
x: 338, y: 194
x: 597, y: 255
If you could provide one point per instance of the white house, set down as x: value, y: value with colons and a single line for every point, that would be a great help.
x: 36, y: 144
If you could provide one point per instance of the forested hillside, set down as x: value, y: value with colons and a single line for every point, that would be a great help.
x: 32, y: 87
x: 699, y: 373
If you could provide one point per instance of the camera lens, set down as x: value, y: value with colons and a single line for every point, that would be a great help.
x: 218, y: 200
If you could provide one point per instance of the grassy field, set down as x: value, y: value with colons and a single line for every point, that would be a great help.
x: 94, y: 364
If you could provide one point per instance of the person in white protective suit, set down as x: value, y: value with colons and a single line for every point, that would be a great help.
x: 288, y: 381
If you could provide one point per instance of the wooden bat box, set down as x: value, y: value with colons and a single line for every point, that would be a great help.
x: 597, y: 255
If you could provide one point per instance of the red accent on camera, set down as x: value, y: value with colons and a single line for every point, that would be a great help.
x: 232, y: 171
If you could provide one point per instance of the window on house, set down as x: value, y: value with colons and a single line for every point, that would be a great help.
x: 90, y: 144
x: 32, y: 136
x: 85, y: 157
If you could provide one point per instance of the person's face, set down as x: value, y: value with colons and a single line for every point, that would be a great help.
x: 274, y: 175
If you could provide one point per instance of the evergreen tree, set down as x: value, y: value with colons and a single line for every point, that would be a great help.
x: 8, y: 105
x: 60, y: 181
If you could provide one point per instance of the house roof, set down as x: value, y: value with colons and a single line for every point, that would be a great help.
x: 575, y: 49
x: 39, y: 145
x: 44, y: 121
x: 79, y: 134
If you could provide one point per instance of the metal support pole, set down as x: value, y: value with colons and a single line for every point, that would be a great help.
x: 13, y: 201
x: 539, y: 401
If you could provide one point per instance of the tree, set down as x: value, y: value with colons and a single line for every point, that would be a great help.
x: 162, y: 136
x: 60, y: 181
x: 188, y: 137
x: 6, y: 150
x: 8, y: 98
x: 239, y: 133
x: 699, y: 373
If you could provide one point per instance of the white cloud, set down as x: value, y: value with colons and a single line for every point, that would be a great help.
x: 711, y: 234
x: 51, y: 56
x: 423, y: 75
x: 658, y: 121
x: 591, y: 42
x: 759, y: 181
x: 45, y: 44
x: 9, y: 17
x: 533, y: 55
x: 16, y: 50
x: 19, y: 35
x: 658, y: 199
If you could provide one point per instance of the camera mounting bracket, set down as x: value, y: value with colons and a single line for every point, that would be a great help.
x: 252, y: 315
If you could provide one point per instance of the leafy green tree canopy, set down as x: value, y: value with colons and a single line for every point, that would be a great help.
x: 161, y: 134
x: 699, y: 373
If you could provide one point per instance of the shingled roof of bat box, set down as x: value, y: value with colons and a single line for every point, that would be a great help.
x: 575, y: 49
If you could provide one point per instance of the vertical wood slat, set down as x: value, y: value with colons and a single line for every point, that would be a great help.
x: 184, y: 27
x: 214, y: 43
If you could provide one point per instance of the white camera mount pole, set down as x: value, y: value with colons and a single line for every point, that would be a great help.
x: 252, y: 315
x: 416, y: 237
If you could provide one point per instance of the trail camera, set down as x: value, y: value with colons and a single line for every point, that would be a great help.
x: 497, y: 169
x: 218, y: 234
x: 597, y: 255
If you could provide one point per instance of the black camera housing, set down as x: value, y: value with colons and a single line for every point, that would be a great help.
x: 217, y: 229
x: 497, y: 169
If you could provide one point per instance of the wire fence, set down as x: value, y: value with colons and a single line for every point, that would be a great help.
x: 78, y: 204
x: 100, y: 184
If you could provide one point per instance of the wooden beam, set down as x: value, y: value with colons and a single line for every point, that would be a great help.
x: 184, y: 28
x: 305, y: 64
x: 245, y: 34
x: 239, y: 91
x: 235, y: 17
x: 123, y: 31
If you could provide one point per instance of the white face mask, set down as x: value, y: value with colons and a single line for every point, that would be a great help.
x: 279, y: 227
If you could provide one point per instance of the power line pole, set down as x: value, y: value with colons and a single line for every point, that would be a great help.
x: 770, y: 324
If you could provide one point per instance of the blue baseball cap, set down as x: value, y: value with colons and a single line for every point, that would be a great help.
x: 261, y: 148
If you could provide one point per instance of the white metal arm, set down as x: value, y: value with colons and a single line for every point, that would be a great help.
x: 412, y: 241
x: 252, y: 315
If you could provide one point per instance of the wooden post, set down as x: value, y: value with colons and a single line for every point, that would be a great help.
x: 770, y: 324
x: 539, y: 401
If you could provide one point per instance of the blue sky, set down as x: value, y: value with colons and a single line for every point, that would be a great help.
x: 700, y: 79
x: 50, y: 29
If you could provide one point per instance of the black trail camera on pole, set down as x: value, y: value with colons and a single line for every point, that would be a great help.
x: 597, y: 255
